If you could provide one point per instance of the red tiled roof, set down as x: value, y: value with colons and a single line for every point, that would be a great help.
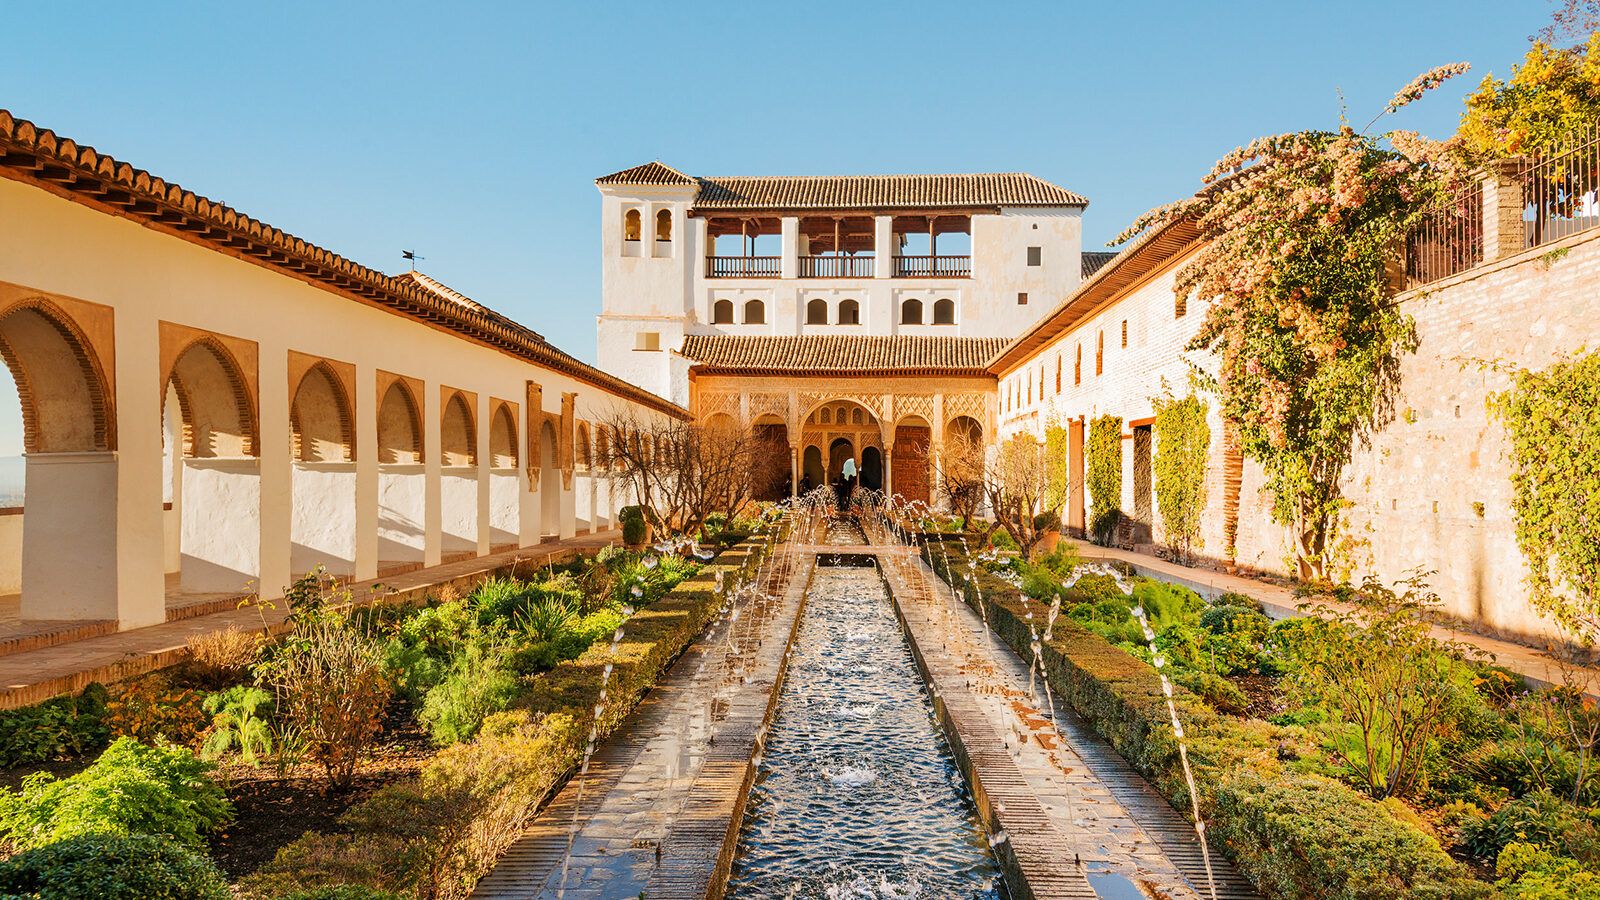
x: 852, y: 354
x: 1094, y: 259
x: 650, y: 173
x: 883, y: 192
x: 60, y: 165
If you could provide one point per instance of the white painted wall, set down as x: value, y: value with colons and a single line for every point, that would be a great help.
x: 401, y: 511
x: 221, y: 535
x: 324, y: 519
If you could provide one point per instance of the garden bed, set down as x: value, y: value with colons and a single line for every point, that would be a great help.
x: 1283, y: 805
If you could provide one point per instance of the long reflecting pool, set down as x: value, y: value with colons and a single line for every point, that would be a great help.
x: 858, y: 796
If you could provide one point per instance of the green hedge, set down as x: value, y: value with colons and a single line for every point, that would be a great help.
x: 1295, y: 833
x: 436, y: 835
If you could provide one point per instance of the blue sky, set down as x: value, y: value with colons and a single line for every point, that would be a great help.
x: 473, y: 133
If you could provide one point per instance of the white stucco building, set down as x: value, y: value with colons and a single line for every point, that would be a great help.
x: 960, y: 256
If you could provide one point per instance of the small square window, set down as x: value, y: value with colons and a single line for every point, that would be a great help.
x: 1035, y: 256
x: 1022, y: 298
x: 647, y: 340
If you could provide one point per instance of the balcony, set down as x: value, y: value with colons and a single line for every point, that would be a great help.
x: 743, y: 266
x: 933, y: 266
x: 836, y: 266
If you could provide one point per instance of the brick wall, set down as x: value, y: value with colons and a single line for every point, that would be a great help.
x: 1432, y: 490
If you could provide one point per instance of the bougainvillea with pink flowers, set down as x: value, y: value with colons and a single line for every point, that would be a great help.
x: 1303, y: 234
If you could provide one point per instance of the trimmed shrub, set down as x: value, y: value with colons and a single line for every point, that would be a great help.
x: 130, y: 789
x: 635, y: 530
x: 1295, y: 834
x: 1530, y: 872
x: 112, y: 867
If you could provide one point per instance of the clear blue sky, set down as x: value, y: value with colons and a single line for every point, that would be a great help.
x: 473, y: 133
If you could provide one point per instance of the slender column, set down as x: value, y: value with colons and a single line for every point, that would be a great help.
x: 366, y: 403
x: 794, y: 470
x: 486, y: 463
x: 131, y: 515
x: 527, y: 498
x: 432, y: 482
x: 883, y: 246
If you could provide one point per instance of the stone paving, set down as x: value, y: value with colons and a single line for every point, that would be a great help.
x: 664, y: 796
x: 32, y: 675
x: 1533, y: 664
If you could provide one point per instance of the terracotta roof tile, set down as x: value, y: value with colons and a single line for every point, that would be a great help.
x: 883, y: 192
x: 39, y: 156
x: 650, y: 173
x: 841, y: 354
x: 1094, y: 259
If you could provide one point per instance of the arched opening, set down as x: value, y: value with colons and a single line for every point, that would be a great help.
x: 770, y: 475
x: 817, y: 312
x: 583, y: 481
x: 911, y: 312
x: 402, y: 488
x: 872, y: 468
x: 62, y: 563
x: 549, y: 484
x: 505, y: 481
x: 849, y: 312
x: 722, y: 312
x: 755, y: 312
x: 631, y: 228
x: 209, y: 430
x: 458, y: 478
x: 813, y: 474
x: 944, y: 311
x: 664, y: 225
x: 840, y: 450
x: 323, y: 521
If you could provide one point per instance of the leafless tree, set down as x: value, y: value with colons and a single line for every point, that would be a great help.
x: 961, y: 469
x: 1016, y: 485
x: 682, y: 473
x: 1571, y: 23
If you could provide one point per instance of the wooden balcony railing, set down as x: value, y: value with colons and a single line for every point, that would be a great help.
x: 932, y: 266
x: 836, y: 266
x: 743, y: 266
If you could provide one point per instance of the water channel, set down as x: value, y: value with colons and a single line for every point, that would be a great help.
x: 858, y: 796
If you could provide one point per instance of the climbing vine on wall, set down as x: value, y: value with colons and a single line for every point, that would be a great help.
x: 1302, y: 235
x: 1552, y: 419
x: 1055, y: 451
x: 1105, y: 476
x: 1183, y: 440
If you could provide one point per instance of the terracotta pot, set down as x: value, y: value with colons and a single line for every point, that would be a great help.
x: 1048, y: 541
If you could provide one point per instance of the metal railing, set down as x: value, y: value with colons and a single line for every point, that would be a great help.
x: 1448, y: 240
x: 932, y: 266
x: 743, y: 266
x: 860, y: 266
x: 1516, y: 205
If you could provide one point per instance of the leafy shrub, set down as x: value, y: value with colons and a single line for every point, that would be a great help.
x: 221, y: 658
x: 1527, y: 871
x: 1104, y: 477
x: 55, y: 729
x: 343, y: 892
x: 331, y: 687
x: 149, y: 709
x: 112, y: 867
x: 238, y: 722
x: 130, y: 789
x: 1222, y: 694
x: 477, y: 685
x: 1539, y: 818
x: 547, y: 619
x: 634, y: 529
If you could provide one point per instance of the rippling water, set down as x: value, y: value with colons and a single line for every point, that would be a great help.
x: 858, y: 797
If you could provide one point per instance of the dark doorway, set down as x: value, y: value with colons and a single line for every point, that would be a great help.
x: 872, y: 468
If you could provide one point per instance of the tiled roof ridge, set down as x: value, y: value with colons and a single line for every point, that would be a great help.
x: 652, y: 172
x: 1013, y: 174
x: 140, y: 194
x: 842, y: 353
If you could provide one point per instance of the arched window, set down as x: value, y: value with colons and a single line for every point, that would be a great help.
x: 630, y: 225
x: 722, y: 312
x: 1077, y: 366
x: 911, y: 312
x: 849, y: 312
x: 825, y: 416
x: 755, y: 312
x: 944, y: 312
x: 664, y: 225
x: 817, y: 312
x: 1100, y: 353
x: 1058, y: 373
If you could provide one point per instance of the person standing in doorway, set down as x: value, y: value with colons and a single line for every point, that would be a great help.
x: 847, y: 481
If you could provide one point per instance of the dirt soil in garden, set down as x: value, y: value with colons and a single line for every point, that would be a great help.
x: 272, y: 811
x: 1264, y: 693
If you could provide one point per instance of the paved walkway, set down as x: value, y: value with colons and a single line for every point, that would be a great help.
x: 1075, y: 814
x: 30, y: 676
x: 1537, y: 666
x: 664, y: 795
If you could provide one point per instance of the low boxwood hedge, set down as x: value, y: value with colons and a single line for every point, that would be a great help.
x: 1294, y: 832
x: 436, y: 835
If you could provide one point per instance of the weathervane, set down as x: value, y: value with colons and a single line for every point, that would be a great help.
x: 412, y: 256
